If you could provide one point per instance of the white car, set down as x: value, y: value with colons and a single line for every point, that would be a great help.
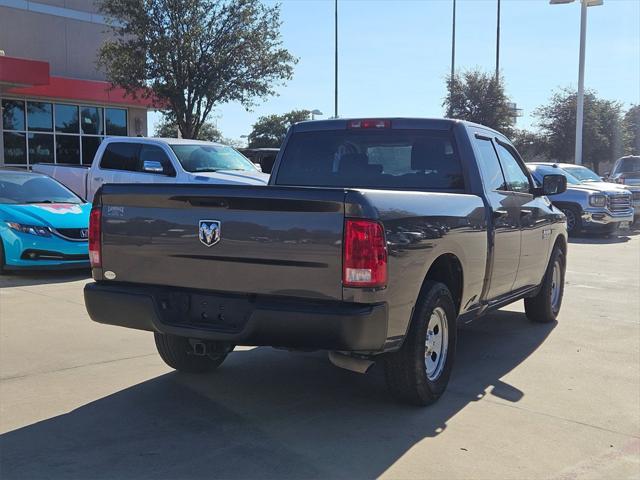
x: 156, y: 160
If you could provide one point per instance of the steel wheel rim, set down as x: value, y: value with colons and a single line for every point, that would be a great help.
x: 556, y: 284
x: 571, y: 219
x: 436, y: 344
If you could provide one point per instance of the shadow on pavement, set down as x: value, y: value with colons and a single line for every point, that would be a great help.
x: 42, y: 277
x: 265, y: 414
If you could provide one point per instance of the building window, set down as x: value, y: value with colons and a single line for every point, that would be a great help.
x: 13, y: 114
x: 40, y: 148
x: 116, y: 121
x: 15, y: 148
x: 67, y: 119
x: 91, y: 120
x: 43, y: 132
x: 39, y: 117
x: 68, y: 149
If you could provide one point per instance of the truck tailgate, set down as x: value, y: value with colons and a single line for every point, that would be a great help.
x: 272, y: 240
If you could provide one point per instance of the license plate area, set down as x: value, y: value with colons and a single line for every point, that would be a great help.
x: 210, y: 312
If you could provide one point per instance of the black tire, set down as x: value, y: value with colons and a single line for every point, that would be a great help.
x: 177, y: 352
x: 405, y: 370
x: 574, y: 220
x: 1, y: 257
x: 543, y: 308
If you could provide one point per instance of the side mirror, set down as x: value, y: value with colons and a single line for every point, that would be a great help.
x: 258, y: 166
x: 554, y: 184
x: 151, y: 166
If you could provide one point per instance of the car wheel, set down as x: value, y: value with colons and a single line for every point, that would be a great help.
x: 1, y: 257
x: 419, y: 372
x: 574, y: 220
x: 545, y: 306
x: 179, y: 353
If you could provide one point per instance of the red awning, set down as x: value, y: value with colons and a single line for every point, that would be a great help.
x: 30, y: 78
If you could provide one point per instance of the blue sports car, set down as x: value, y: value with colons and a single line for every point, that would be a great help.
x: 43, y: 225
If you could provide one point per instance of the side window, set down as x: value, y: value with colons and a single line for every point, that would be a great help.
x: 490, y: 166
x: 517, y: 179
x: 154, y: 153
x: 120, y: 156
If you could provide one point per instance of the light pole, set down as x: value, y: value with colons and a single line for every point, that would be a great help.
x: 453, y: 58
x: 498, y: 43
x: 335, y: 113
x: 314, y: 113
x: 583, y: 36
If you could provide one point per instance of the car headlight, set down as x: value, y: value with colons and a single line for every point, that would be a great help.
x: 30, y: 229
x: 598, y: 200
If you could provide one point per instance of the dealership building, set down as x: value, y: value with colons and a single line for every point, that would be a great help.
x: 56, y: 105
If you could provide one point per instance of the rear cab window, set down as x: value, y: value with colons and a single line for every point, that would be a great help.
x: 120, y: 156
x: 407, y: 159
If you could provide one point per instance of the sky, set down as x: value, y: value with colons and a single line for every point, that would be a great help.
x: 394, y: 55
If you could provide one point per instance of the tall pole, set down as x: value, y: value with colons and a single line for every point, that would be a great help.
x: 498, y: 44
x: 580, y: 108
x: 453, y: 57
x: 335, y: 113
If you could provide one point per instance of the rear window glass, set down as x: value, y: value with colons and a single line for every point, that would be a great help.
x: 628, y: 165
x: 402, y: 159
x: 121, y: 156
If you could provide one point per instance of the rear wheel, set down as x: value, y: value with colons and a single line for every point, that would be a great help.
x: 545, y: 306
x: 574, y: 220
x: 190, y: 356
x: 419, y: 372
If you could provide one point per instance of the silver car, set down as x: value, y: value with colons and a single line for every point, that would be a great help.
x: 591, y: 206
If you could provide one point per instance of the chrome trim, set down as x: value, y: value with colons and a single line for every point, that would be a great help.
x: 58, y: 234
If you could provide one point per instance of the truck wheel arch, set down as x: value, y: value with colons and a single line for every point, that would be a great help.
x: 447, y: 269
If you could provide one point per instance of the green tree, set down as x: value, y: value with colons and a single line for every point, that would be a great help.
x: 602, y: 128
x: 532, y: 146
x: 632, y: 131
x: 169, y: 129
x: 269, y: 131
x: 479, y: 97
x: 191, y: 55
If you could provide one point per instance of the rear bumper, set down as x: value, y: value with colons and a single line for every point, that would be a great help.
x: 240, y: 319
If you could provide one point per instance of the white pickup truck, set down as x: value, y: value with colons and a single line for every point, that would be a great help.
x: 156, y: 160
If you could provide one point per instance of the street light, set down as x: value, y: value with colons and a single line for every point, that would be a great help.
x: 314, y: 113
x: 583, y: 35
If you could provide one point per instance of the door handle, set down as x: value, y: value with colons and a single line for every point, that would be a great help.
x: 525, y: 211
x: 500, y: 213
x: 97, y: 179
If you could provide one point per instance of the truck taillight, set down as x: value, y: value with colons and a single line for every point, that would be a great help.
x: 364, y: 254
x: 95, y: 234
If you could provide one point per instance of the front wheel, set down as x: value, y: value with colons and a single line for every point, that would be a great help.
x: 574, y: 220
x: 545, y: 306
x: 419, y: 372
x: 181, y: 354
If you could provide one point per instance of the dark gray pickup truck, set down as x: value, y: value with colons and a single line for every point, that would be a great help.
x: 372, y: 240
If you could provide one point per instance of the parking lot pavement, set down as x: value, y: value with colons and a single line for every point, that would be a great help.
x: 82, y: 400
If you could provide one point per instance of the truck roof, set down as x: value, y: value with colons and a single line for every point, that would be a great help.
x: 397, y: 122
x: 164, y: 141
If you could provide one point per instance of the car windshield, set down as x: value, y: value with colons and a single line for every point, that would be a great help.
x: 211, y: 158
x: 583, y: 174
x: 539, y: 171
x: 24, y: 188
x: 628, y: 165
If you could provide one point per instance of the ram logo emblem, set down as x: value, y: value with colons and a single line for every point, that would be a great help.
x: 209, y: 232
